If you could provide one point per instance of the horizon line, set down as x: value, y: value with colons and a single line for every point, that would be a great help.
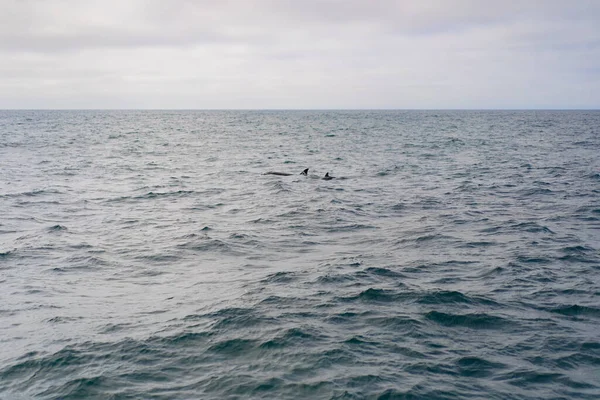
x: 299, y: 109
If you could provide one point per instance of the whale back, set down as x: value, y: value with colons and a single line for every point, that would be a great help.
x: 305, y: 173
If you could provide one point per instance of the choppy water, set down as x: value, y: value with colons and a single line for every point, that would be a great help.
x: 145, y: 255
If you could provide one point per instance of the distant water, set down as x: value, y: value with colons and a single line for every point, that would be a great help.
x: 145, y: 255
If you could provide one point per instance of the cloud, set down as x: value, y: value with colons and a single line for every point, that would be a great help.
x: 299, y: 54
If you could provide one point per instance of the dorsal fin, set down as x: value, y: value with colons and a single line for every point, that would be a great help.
x: 327, y: 177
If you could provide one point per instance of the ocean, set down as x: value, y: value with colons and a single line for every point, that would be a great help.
x: 148, y: 255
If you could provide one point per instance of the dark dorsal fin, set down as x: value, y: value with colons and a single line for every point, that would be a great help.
x: 305, y: 172
x: 327, y: 177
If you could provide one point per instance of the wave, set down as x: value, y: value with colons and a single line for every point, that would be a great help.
x: 525, y: 378
x: 57, y: 228
x: 473, y: 321
x: 32, y: 193
x: 374, y: 295
x: 454, y: 297
x: 154, y: 195
x: 280, y: 277
x: 292, y: 337
x: 6, y: 253
x: 477, y: 367
x: 576, y: 311
x: 207, y: 244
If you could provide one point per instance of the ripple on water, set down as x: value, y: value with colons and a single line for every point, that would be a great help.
x: 472, y: 321
x: 145, y: 255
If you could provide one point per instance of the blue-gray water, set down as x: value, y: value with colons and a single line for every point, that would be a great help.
x: 145, y: 255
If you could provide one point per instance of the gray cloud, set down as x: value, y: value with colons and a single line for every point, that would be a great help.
x: 299, y: 54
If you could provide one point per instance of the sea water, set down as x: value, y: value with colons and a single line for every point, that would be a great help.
x: 146, y: 255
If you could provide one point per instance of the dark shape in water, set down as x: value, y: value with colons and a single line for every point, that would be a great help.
x: 305, y: 172
x: 327, y: 177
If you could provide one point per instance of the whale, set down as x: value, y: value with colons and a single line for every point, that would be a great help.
x: 327, y: 177
x: 305, y: 173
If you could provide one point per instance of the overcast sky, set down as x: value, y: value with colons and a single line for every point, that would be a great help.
x: 253, y: 54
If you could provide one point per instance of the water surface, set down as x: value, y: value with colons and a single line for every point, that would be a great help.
x: 144, y: 254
